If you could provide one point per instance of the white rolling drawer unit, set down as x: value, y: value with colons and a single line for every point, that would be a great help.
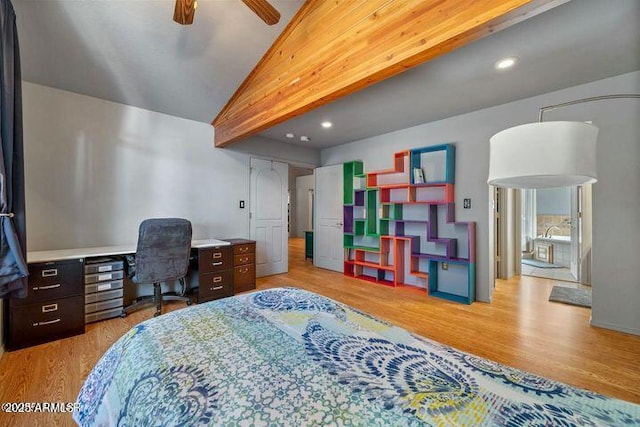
x: 103, y: 281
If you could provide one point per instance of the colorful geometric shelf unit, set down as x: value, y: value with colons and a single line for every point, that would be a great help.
x: 401, y: 232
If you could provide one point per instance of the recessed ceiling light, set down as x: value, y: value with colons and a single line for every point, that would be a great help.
x: 305, y: 138
x: 289, y: 135
x: 506, y: 63
x: 327, y: 124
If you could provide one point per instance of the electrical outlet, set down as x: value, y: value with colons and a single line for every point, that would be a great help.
x: 445, y: 266
x: 241, y: 204
x: 466, y: 204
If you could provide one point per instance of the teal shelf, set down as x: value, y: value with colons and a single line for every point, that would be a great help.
x: 448, y: 168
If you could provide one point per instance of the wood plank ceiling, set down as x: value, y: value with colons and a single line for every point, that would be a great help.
x: 333, y: 48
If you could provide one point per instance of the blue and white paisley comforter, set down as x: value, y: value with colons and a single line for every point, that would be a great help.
x: 290, y: 357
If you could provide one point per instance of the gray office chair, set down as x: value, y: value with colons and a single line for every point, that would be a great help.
x: 162, y: 255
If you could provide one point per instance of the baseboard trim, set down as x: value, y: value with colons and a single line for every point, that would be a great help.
x: 613, y: 326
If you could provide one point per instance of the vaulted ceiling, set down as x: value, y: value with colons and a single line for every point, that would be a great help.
x: 133, y: 53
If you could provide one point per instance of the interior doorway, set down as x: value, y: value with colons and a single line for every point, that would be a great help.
x: 556, y: 233
x: 301, y: 188
x: 534, y: 239
x: 280, y: 209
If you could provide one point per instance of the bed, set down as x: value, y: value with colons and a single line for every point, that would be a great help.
x: 286, y: 356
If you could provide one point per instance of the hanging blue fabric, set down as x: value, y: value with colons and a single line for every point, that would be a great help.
x: 13, y: 268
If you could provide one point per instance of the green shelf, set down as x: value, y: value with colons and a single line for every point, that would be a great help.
x: 351, y: 170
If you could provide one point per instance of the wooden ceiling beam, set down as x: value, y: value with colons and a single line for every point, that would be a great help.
x: 331, y: 49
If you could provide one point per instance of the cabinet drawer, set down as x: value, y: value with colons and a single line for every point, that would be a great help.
x: 244, y: 259
x: 102, y: 286
x: 215, y: 259
x: 41, y: 322
x: 103, y: 296
x: 103, y: 305
x: 244, y: 278
x: 53, y: 280
x: 244, y: 248
x: 102, y: 277
x: 103, y: 267
x: 215, y: 285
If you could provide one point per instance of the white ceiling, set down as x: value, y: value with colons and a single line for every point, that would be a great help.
x: 133, y: 53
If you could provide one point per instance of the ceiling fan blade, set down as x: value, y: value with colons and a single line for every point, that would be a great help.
x: 184, y: 11
x: 264, y: 10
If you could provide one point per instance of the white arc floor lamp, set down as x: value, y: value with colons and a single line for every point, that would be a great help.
x: 546, y: 154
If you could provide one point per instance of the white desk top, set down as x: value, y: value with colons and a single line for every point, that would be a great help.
x: 65, y: 254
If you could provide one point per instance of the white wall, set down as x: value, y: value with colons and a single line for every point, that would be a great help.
x: 553, y: 201
x: 303, y: 185
x: 296, y: 155
x: 616, y: 197
x: 95, y: 169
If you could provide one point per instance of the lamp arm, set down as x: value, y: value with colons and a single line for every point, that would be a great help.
x: 580, y: 101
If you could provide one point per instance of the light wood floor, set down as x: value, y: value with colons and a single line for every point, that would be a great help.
x: 519, y: 328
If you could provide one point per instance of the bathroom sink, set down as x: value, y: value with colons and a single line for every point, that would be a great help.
x: 557, y: 239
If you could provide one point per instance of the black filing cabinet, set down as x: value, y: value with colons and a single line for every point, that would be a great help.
x: 53, y: 308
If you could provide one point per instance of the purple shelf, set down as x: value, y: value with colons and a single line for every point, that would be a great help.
x: 348, y: 219
x: 451, y: 244
x: 439, y: 258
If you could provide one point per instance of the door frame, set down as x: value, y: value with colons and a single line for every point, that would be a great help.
x: 503, y: 244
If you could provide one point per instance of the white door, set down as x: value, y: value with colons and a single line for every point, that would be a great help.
x: 576, y: 231
x: 328, y: 216
x: 268, y: 224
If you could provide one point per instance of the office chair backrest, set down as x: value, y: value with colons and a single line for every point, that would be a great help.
x: 163, y: 250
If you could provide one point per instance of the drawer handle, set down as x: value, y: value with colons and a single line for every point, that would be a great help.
x: 50, y: 307
x: 216, y: 263
x: 50, y: 322
x: 44, y: 288
x: 244, y: 270
x: 216, y: 288
x: 244, y: 259
x: 50, y: 272
x: 244, y: 249
x: 217, y: 255
x: 217, y: 279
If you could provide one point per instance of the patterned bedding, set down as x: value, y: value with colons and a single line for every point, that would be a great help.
x: 290, y: 357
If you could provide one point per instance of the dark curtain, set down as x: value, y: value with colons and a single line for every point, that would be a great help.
x: 13, y: 268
